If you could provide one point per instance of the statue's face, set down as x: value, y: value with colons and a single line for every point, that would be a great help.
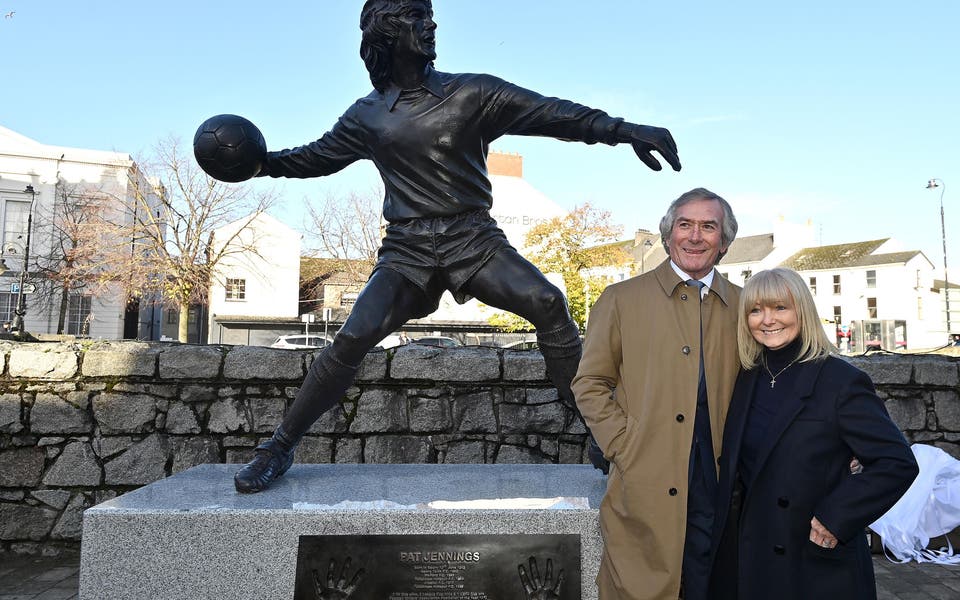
x: 416, y: 38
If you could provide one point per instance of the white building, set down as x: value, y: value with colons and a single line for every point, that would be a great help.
x: 37, y: 184
x: 254, y: 294
x: 887, y: 295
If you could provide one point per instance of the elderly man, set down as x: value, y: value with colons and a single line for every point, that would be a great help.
x: 658, y: 368
x: 428, y: 133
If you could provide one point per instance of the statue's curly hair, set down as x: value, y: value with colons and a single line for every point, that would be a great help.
x: 379, y: 22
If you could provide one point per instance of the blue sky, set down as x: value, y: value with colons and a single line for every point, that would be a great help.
x: 837, y: 112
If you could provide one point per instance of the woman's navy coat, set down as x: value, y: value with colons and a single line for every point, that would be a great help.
x: 831, y: 415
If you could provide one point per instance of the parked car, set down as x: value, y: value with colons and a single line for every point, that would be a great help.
x: 436, y: 340
x: 302, y: 341
x: 522, y: 345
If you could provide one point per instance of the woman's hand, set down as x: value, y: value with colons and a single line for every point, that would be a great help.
x: 820, y: 535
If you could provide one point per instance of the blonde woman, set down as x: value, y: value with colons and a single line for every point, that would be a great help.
x: 791, y: 514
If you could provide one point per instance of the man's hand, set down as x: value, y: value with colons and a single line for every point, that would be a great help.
x: 645, y: 139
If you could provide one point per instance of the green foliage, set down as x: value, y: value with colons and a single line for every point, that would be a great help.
x: 583, y: 239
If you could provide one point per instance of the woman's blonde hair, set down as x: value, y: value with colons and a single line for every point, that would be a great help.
x: 781, y: 285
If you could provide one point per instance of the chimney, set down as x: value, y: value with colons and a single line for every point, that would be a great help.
x: 503, y: 163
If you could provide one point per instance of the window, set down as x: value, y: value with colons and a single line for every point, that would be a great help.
x: 348, y: 298
x: 813, y: 286
x: 172, y: 316
x: 836, y: 284
x: 8, y: 304
x: 79, y: 315
x: 837, y: 315
x: 871, y: 278
x: 15, y: 214
x: 236, y: 289
x: 871, y: 308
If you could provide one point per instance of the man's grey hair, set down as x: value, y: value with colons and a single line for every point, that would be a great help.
x: 728, y: 227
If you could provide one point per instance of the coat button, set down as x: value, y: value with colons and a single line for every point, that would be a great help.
x: 783, y: 502
x: 672, y: 491
x: 778, y: 549
x: 683, y: 296
x: 685, y: 349
x: 679, y: 418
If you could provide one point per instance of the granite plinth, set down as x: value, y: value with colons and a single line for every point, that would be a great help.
x: 192, y: 536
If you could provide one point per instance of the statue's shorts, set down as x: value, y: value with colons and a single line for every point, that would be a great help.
x: 441, y: 253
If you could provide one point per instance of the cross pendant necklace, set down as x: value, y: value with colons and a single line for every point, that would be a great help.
x: 773, y: 378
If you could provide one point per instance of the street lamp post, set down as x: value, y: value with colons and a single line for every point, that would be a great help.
x: 932, y: 184
x: 21, y: 309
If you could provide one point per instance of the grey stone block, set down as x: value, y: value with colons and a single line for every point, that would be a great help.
x: 473, y: 413
x: 936, y: 370
x: 10, y: 413
x: 226, y: 416
x: 76, y: 466
x: 465, y: 452
x: 396, y: 449
x: 120, y: 360
x: 21, y: 467
x: 265, y: 414
x: 313, y: 449
x: 70, y: 524
x: 332, y: 421
x: 884, y: 369
x: 540, y: 418
x: 192, y: 451
x: 200, y: 535
x: 429, y: 415
x: 516, y: 455
x: 197, y: 393
x: 181, y: 419
x: 907, y: 413
x: 107, y: 447
x: 142, y: 463
x: 53, y: 498
x: 947, y: 407
x: 20, y: 522
x: 380, y: 411
x: 44, y: 361
x: 373, y: 367
x: 124, y: 413
x: 254, y: 362
x: 527, y: 365
x: 162, y: 390
x: 571, y: 454
x: 190, y: 362
x: 468, y: 363
x: 349, y: 451
x: 53, y: 414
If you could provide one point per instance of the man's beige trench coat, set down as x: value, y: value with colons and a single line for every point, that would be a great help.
x: 637, y: 389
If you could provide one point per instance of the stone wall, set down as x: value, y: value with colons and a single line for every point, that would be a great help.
x: 82, y: 423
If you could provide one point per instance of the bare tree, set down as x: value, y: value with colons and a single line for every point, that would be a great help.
x: 159, y: 243
x: 347, y: 229
x: 70, y: 256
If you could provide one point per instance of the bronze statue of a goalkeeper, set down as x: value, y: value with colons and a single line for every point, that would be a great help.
x: 428, y: 133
